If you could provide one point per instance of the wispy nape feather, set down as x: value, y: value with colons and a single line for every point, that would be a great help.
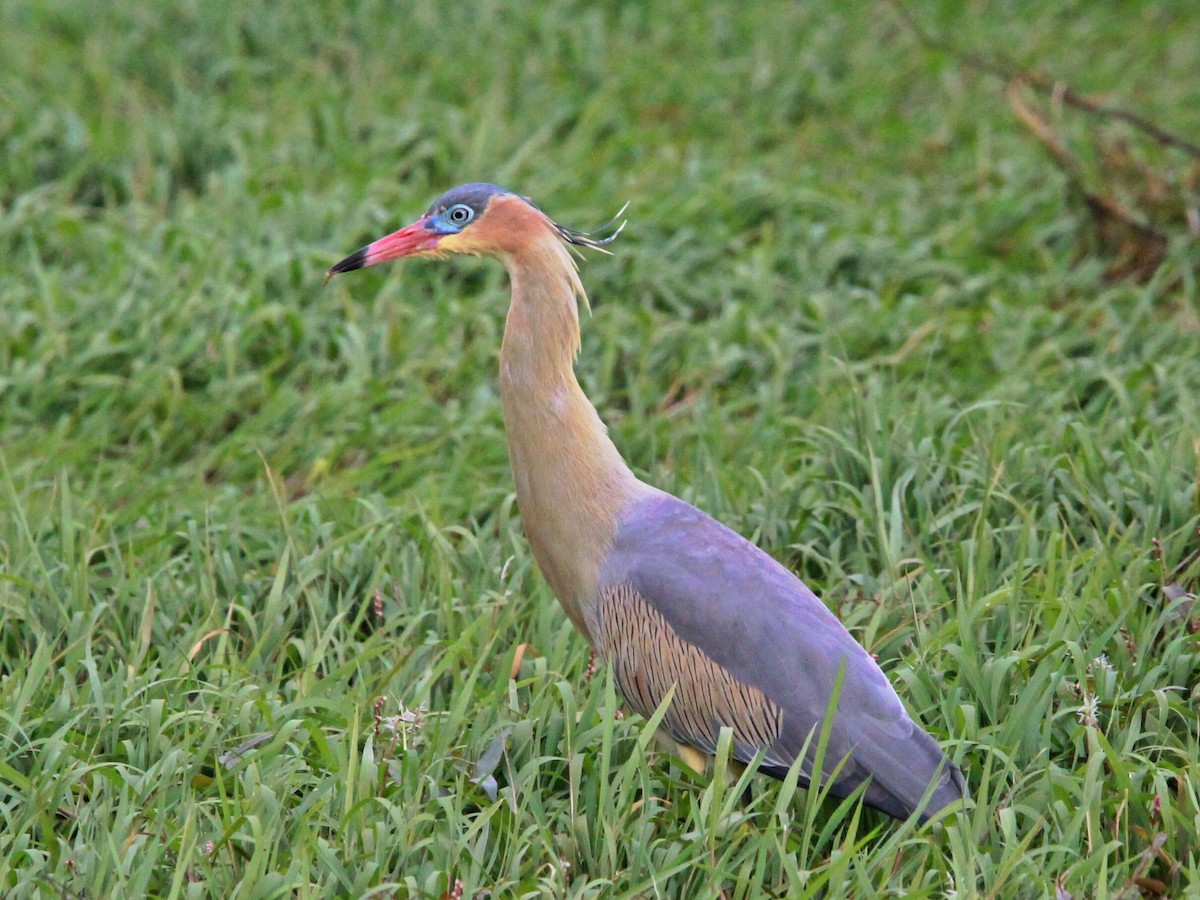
x: 585, y: 239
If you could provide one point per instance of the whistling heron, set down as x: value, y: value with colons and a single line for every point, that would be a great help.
x: 665, y: 594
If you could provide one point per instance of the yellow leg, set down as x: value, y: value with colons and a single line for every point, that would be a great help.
x: 694, y: 759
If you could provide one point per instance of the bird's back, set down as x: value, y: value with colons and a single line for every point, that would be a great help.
x: 685, y: 602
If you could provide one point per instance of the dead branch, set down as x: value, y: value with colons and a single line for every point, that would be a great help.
x: 1050, y: 87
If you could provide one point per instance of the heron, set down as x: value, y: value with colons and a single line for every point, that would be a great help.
x: 677, y: 604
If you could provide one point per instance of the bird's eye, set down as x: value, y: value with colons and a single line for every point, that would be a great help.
x: 460, y: 214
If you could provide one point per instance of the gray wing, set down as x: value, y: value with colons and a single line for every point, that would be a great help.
x: 686, y: 602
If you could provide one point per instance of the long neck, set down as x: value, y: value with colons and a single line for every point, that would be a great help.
x: 571, y: 482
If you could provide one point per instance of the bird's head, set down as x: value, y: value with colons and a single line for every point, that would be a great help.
x: 475, y: 219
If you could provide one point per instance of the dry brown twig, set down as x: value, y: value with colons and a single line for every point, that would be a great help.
x: 1057, y: 89
x: 1134, y: 242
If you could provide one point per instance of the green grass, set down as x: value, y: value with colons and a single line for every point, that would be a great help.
x: 848, y: 317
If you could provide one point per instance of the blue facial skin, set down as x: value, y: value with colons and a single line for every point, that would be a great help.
x: 452, y: 220
x: 460, y: 206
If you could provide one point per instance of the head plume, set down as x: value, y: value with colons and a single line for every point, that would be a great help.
x: 586, y: 239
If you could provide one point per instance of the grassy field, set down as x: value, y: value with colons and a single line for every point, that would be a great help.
x: 268, y: 623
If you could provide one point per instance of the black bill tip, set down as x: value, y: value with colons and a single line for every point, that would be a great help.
x: 355, y: 260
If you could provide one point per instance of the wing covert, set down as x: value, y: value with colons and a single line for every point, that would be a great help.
x: 684, y: 600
